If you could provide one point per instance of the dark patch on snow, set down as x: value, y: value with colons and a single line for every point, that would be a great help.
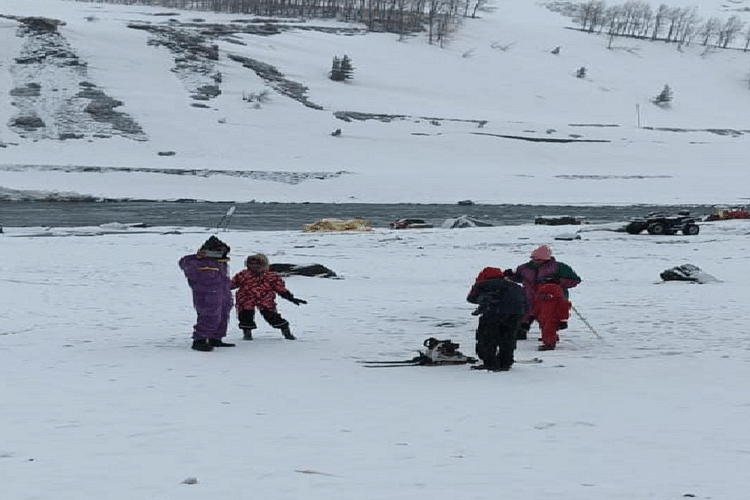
x: 609, y: 177
x: 275, y: 176
x: 276, y: 79
x: 539, y: 139
x: 718, y: 131
x: 349, y: 116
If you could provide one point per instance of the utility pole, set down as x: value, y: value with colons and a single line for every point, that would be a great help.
x: 638, y: 114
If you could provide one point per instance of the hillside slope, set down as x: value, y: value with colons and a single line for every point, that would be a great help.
x: 494, y: 115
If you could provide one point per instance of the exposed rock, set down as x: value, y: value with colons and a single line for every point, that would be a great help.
x: 27, y: 122
x: 29, y: 90
x: 41, y: 24
x: 70, y: 135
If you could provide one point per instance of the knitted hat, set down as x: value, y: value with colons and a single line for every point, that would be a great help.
x: 489, y: 273
x: 259, y: 257
x: 542, y: 253
x: 215, y: 246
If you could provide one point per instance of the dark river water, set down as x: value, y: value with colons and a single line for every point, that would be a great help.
x: 291, y: 216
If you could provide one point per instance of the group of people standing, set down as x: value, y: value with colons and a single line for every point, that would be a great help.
x: 507, y: 310
x: 207, y: 272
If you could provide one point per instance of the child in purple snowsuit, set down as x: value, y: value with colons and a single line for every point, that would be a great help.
x: 207, y: 272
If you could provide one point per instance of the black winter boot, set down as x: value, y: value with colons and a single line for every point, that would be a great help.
x: 247, y: 334
x: 219, y: 343
x: 523, y: 331
x: 287, y: 333
x: 202, y: 345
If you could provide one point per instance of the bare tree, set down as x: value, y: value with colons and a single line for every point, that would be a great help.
x: 614, y: 22
x: 478, y: 4
x: 659, y: 20
x: 688, y: 27
x: 710, y: 28
x: 729, y: 31
x: 589, y: 13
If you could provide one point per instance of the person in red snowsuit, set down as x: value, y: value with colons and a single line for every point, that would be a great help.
x: 543, y: 269
x: 257, y: 287
x: 551, y: 310
x: 207, y: 272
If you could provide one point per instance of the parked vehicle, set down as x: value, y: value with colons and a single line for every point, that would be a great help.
x: 729, y: 214
x: 659, y: 223
x: 410, y: 224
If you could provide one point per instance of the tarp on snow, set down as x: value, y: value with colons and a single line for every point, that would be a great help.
x: 465, y: 221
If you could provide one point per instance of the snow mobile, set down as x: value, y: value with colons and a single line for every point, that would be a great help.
x: 660, y: 223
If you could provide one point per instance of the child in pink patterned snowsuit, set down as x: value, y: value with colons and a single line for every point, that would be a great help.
x: 546, y: 282
x: 257, y: 287
x: 207, y: 272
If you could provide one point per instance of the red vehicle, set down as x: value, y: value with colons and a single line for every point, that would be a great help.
x: 728, y: 214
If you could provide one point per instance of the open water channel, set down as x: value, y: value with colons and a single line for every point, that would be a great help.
x: 292, y: 216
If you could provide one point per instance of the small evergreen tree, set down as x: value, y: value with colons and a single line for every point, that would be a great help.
x: 664, y: 97
x: 341, y: 69
x: 347, y: 69
x: 336, y: 74
x: 581, y: 73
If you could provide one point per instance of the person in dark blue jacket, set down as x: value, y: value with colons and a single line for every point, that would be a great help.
x: 502, y: 305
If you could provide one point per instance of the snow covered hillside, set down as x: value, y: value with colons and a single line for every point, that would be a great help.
x: 165, y: 105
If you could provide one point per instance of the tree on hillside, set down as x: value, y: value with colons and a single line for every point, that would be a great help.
x: 478, y: 4
x: 664, y: 97
x: 335, y: 73
x: 581, y: 73
x: 710, y: 28
x: 589, y: 14
x: 341, y: 69
x: 688, y: 27
x: 614, y: 22
x: 729, y: 31
x: 347, y: 70
x: 659, y: 20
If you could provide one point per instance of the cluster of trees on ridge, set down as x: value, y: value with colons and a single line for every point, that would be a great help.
x: 681, y: 25
x: 438, y: 17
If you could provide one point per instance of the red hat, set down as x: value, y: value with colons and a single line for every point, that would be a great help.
x: 489, y: 273
x: 542, y: 253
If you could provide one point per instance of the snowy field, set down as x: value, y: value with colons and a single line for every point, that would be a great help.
x: 103, y: 398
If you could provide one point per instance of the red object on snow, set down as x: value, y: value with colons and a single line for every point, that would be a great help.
x: 550, y: 308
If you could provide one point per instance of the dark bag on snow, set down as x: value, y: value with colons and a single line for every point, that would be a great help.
x: 443, y: 352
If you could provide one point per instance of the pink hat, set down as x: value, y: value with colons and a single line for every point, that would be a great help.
x: 542, y: 253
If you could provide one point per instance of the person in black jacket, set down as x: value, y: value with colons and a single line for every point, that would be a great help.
x: 502, y: 305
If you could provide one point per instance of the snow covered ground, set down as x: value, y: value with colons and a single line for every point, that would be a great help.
x: 102, y: 396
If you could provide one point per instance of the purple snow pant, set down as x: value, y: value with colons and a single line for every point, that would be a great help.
x: 213, y: 308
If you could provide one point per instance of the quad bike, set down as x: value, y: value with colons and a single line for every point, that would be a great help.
x: 659, y: 223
